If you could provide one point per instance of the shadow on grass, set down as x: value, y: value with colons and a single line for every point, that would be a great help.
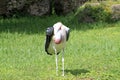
x: 77, y: 71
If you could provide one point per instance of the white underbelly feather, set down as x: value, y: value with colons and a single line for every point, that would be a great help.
x: 58, y: 47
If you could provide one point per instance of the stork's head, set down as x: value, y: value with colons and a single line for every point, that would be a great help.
x: 59, y: 32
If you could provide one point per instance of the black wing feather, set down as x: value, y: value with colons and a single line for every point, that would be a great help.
x: 67, y: 34
x: 49, y: 34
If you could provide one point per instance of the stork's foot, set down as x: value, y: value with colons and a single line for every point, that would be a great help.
x: 63, y: 75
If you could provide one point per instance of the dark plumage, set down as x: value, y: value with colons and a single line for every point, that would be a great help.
x: 49, y: 34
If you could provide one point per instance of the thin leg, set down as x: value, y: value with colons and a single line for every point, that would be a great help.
x: 56, y: 64
x: 63, y: 62
x: 56, y: 60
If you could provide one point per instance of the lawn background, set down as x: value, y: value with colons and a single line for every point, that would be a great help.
x: 92, y: 52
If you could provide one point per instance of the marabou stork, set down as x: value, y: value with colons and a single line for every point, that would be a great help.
x: 56, y: 38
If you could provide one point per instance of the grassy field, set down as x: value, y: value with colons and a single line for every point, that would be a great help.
x: 92, y: 53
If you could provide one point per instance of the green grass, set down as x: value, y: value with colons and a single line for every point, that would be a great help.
x: 92, y: 52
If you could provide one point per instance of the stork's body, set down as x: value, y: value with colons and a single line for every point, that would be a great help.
x: 56, y: 38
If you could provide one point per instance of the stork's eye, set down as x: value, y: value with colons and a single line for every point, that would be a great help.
x: 60, y: 28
